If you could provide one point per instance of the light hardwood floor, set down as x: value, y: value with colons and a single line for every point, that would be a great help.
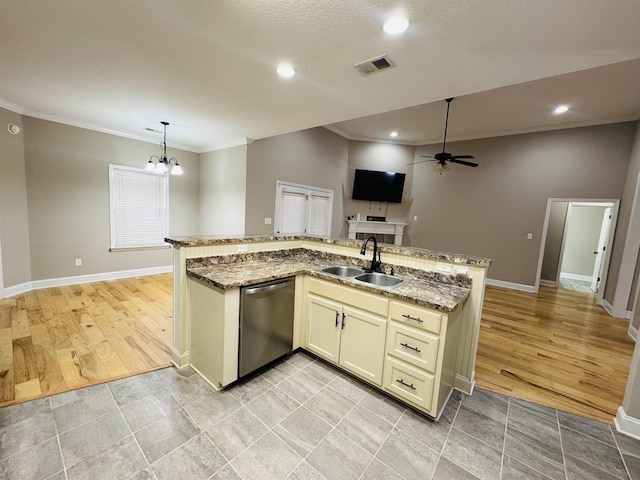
x: 556, y: 348
x: 57, y: 339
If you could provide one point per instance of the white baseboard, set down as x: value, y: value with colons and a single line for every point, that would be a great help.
x: 633, y: 332
x: 548, y: 283
x: 463, y: 384
x: 627, y: 425
x: 573, y: 276
x: 608, y: 307
x: 93, y: 277
x: 180, y: 359
x: 512, y: 286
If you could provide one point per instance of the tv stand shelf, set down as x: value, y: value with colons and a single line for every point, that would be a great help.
x: 376, y: 228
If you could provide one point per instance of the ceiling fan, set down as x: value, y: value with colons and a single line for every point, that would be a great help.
x: 444, y: 157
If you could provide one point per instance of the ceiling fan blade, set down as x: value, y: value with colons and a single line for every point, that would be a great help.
x: 427, y: 156
x: 462, y: 162
x: 462, y: 156
x: 422, y: 161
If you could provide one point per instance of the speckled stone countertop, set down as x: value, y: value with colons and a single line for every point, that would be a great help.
x: 458, y: 258
x: 430, y: 289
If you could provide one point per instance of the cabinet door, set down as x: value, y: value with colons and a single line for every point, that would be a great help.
x: 362, y: 344
x: 323, y: 327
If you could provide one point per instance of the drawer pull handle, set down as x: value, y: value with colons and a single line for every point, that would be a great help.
x: 402, y: 382
x: 343, y: 321
x: 409, y: 317
x: 406, y: 345
x: 337, y: 315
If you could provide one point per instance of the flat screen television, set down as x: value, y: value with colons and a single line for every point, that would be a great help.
x: 378, y: 186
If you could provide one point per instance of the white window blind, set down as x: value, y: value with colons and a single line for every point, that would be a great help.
x: 293, y: 211
x: 319, y: 213
x: 138, y: 200
x: 301, y: 209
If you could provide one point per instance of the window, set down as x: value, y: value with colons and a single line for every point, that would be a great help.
x: 138, y: 201
x: 303, y: 210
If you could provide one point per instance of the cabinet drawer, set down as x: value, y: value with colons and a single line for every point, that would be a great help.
x: 415, y: 316
x: 409, y: 383
x: 350, y: 296
x: 413, y: 346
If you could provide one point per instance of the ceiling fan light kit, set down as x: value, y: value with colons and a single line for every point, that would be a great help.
x: 443, y: 157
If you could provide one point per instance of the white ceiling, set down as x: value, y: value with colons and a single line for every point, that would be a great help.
x: 208, y: 67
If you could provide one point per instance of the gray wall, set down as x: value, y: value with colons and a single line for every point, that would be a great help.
x: 222, y: 191
x: 626, y: 203
x: 489, y: 210
x: 385, y: 157
x: 553, y: 244
x: 583, y: 233
x: 67, y: 184
x: 14, y: 216
x: 315, y: 157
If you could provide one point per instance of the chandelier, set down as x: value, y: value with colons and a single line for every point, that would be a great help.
x: 162, y: 164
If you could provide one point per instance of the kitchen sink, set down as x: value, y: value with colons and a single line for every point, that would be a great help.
x: 343, y: 271
x: 380, y: 279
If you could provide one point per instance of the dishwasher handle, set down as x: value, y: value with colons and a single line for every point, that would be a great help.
x: 267, y: 288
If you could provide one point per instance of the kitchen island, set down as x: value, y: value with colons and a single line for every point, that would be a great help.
x: 444, y: 288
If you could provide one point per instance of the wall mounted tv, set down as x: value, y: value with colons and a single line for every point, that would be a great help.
x: 378, y: 186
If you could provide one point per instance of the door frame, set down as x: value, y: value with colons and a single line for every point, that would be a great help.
x: 596, y: 202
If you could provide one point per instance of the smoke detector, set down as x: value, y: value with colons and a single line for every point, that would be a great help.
x: 374, y: 65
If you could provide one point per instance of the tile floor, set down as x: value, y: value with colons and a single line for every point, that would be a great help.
x: 301, y: 420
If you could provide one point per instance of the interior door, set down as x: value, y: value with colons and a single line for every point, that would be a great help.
x: 599, y: 253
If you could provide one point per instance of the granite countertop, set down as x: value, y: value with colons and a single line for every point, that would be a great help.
x: 204, y: 240
x: 435, y: 290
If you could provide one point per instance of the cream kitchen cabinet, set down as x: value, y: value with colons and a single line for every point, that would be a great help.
x: 340, y: 330
x: 421, y: 346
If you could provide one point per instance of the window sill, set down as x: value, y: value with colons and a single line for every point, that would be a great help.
x: 136, y: 249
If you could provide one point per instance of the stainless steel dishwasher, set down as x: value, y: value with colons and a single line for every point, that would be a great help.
x: 266, y: 323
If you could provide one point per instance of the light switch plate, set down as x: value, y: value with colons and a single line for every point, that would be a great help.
x: 267, y: 221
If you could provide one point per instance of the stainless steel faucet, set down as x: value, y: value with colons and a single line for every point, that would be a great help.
x: 375, y: 264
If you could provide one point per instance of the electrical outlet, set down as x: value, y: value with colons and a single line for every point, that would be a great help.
x: 529, y: 236
x: 415, y: 218
x: 443, y: 267
x: 243, y: 248
x: 78, y: 262
x: 267, y: 221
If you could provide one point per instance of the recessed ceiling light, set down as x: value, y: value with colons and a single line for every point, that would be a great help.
x: 286, y: 71
x: 560, y: 109
x: 393, y: 134
x: 395, y: 25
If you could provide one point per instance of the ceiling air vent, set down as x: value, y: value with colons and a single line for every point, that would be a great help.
x: 374, y: 65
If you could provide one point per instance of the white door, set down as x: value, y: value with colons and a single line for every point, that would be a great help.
x: 599, y: 253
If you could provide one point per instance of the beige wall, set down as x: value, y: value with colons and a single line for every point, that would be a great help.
x: 553, y: 244
x: 67, y: 183
x: 315, y: 157
x: 489, y: 210
x: 385, y: 157
x: 14, y: 216
x: 222, y: 191
x: 582, y: 238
